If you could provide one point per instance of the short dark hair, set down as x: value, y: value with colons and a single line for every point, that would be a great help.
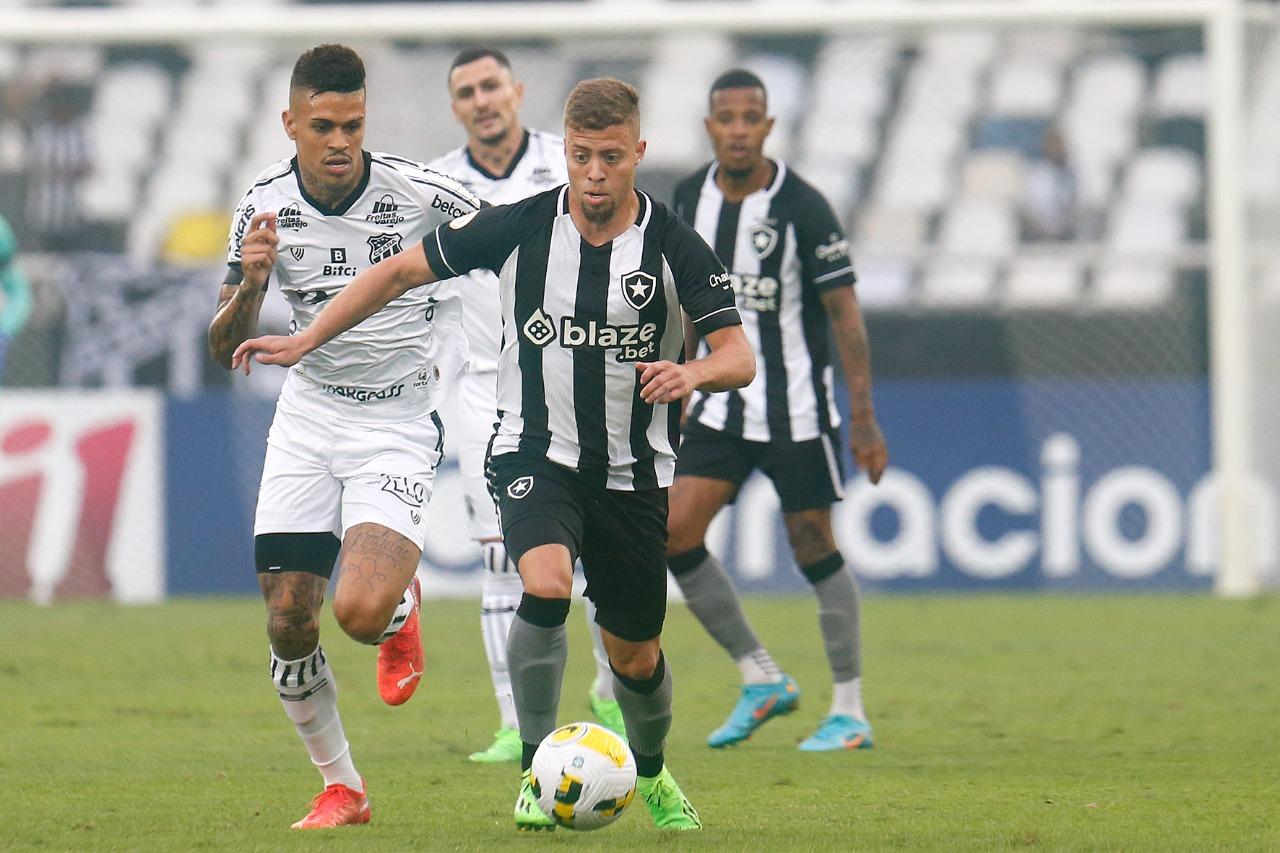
x: 468, y: 55
x: 601, y: 103
x: 738, y: 78
x: 328, y: 68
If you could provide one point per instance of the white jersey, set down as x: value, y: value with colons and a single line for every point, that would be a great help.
x: 538, y: 165
x: 402, y: 357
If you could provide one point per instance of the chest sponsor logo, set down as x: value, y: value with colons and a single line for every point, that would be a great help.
x: 338, y: 265
x: 445, y: 205
x: 297, y: 252
x: 385, y: 211
x: 542, y: 175
x: 520, y: 487
x: 539, y: 329
x: 638, y: 288
x: 290, y: 218
x: 633, y: 343
x: 763, y: 240
x: 383, y: 246
x: 755, y: 292
x: 407, y: 491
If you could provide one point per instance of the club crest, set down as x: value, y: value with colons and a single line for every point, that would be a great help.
x: 383, y: 246
x: 763, y: 240
x: 520, y: 487
x: 638, y: 288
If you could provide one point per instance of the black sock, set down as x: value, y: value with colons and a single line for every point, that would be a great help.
x: 648, y: 766
x: 526, y: 755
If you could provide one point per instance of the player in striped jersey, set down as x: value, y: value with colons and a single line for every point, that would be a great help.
x: 501, y: 162
x: 595, y: 279
x: 793, y: 277
x: 355, y: 442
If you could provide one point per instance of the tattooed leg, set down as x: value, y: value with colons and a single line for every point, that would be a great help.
x: 375, y: 567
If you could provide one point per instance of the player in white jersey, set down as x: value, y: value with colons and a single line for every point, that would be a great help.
x: 355, y: 442
x: 595, y: 278
x: 502, y: 162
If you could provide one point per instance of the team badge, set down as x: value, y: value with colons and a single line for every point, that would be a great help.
x: 638, y: 288
x: 520, y: 487
x: 297, y: 251
x: 383, y: 246
x: 763, y: 239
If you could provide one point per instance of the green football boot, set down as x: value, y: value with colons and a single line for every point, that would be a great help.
x: 667, y: 804
x: 528, y: 815
x: 607, y: 714
x: 506, y: 747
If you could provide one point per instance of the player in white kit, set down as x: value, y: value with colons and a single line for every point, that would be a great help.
x: 355, y: 442
x: 502, y: 162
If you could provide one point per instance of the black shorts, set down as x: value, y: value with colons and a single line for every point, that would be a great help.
x: 620, y: 536
x: 805, y: 474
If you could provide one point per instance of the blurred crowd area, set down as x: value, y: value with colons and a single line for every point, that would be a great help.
x: 1019, y: 202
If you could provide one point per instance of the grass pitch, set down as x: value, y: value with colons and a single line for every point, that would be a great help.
x: 1136, y: 723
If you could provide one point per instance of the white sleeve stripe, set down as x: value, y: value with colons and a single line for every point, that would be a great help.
x: 440, y: 249
x: 833, y: 274
x: 715, y: 312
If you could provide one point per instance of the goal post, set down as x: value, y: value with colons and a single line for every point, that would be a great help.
x: 1231, y: 324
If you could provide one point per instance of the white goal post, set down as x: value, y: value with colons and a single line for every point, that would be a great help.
x: 1222, y: 22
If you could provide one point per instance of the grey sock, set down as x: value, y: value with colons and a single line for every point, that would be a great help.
x: 647, y: 715
x: 535, y: 659
x: 710, y: 596
x: 838, y: 614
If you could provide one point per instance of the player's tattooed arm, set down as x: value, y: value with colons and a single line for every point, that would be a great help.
x: 236, y: 319
x: 850, y: 332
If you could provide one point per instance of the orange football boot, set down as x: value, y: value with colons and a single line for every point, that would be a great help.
x: 337, y: 805
x: 400, y: 657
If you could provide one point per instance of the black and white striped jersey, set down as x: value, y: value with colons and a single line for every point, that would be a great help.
x: 414, y: 343
x: 538, y: 165
x: 575, y: 320
x: 783, y: 247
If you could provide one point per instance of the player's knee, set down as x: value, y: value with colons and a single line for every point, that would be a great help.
x: 636, y: 661
x: 683, y: 537
x: 811, y: 536
x: 361, y: 621
x: 293, y: 633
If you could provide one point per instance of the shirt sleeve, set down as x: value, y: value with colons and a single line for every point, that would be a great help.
x: 239, y: 227
x: 706, y: 294
x: 824, y: 249
x: 483, y: 239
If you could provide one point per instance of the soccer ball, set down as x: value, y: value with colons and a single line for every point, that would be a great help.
x: 584, y: 776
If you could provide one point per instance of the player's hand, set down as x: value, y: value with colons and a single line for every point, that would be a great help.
x: 258, y: 249
x: 664, y: 381
x: 869, y: 449
x: 283, y: 350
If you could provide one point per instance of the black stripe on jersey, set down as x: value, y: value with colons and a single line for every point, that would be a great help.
x: 769, y: 323
x: 644, y: 471
x: 590, y: 304
x: 726, y: 247
x: 530, y: 290
x: 288, y: 170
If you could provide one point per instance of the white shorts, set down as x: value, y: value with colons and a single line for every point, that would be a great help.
x: 477, y: 414
x: 326, y: 470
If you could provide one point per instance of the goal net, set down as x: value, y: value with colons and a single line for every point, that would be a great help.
x: 1050, y: 286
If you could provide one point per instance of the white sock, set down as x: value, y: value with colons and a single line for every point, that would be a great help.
x: 846, y: 699
x: 602, y: 687
x: 309, y: 695
x: 759, y: 667
x: 398, y: 618
x: 499, y: 597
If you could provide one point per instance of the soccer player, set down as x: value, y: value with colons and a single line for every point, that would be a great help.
x: 355, y: 442
x: 790, y: 267
x: 594, y: 278
x: 15, y: 292
x: 501, y: 162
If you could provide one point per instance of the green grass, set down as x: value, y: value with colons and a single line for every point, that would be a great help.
x: 1137, y: 723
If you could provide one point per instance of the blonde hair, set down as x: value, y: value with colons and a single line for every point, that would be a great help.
x: 601, y: 103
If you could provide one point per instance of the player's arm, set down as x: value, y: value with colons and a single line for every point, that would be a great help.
x: 367, y: 293
x: 729, y: 365
x: 239, y: 302
x: 850, y: 333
